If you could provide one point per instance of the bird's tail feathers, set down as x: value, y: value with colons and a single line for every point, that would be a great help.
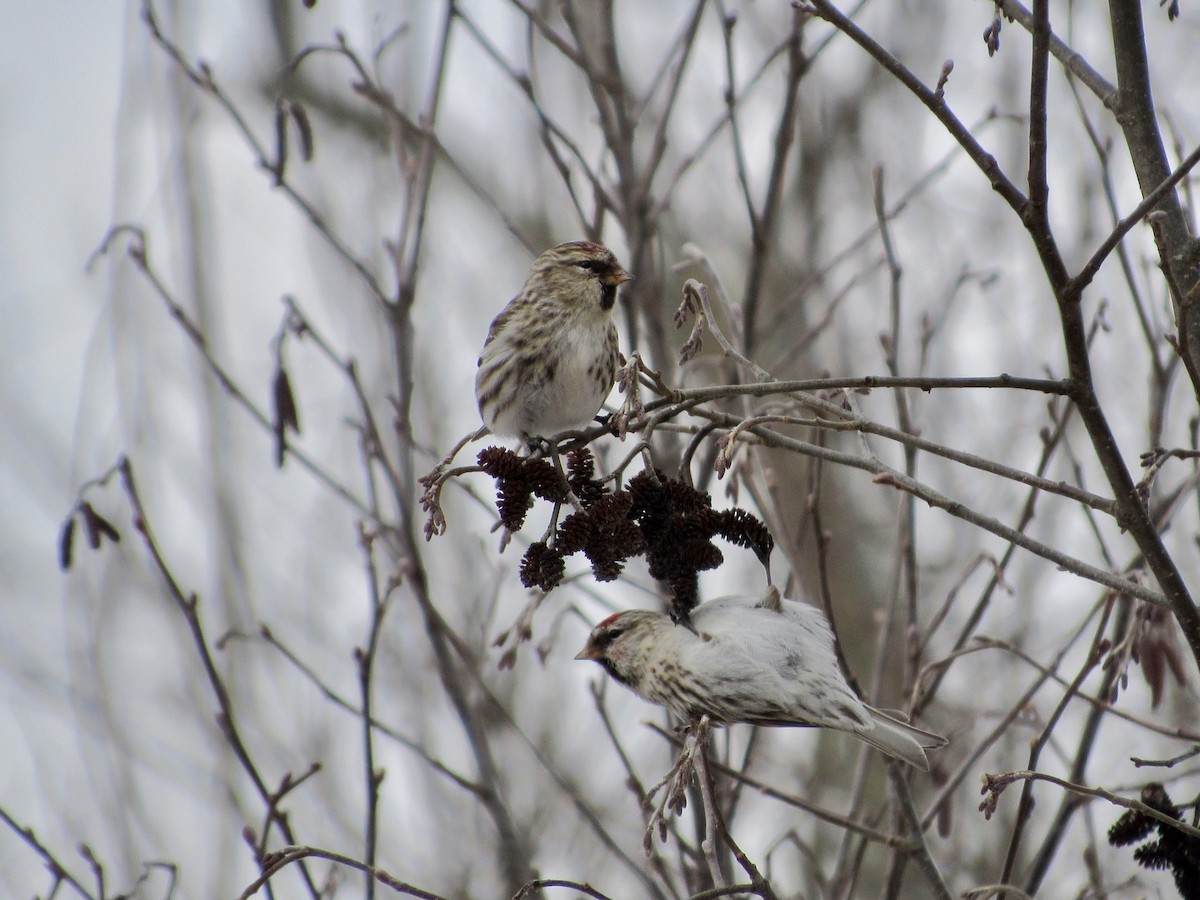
x: 901, y: 740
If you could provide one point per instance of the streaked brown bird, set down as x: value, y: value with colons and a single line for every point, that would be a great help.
x: 551, y: 355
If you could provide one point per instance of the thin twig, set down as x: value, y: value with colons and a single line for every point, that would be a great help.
x: 60, y: 872
x: 994, y: 785
x: 897, y: 775
x: 708, y: 842
x: 284, y: 857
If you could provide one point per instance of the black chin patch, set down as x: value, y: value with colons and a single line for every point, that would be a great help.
x: 608, y: 295
x: 614, y: 673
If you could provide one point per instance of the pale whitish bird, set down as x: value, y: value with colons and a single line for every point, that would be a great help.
x: 757, y: 661
x: 551, y: 355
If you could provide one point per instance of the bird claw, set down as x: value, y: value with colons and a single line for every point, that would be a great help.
x: 539, y: 447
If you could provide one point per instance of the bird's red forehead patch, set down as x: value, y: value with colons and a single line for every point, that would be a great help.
x: 610, y: 620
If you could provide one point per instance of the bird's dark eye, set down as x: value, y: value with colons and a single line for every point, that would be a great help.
x: 588, y: 264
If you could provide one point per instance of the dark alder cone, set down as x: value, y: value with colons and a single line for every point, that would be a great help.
x: 652, y: 506
x: 685, y: 596
x: 573, y: 534
x: 542, y: 567
x: 604, y: 533
x: 739, y: 527
x: 685, y: 545
x: 679, y: 524
x: 666, y: 519
x: 518, y: 479
x: 513, y: 503
x: 500, y: 462
x: 581, y: 475
x: 1132, y: 827
x: 1172, y: 850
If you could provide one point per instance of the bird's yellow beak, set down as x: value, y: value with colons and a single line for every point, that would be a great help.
x: 588, y: 652
x: 617, y: 277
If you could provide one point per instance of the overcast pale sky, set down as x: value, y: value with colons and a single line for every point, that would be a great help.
x: 59, y: 81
